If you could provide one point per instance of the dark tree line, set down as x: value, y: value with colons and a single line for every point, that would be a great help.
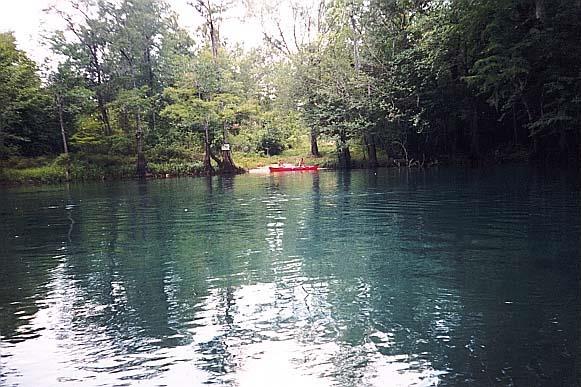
x: 429, y: 79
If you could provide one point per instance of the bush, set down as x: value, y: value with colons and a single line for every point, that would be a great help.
x: 120, y: 145
x: 271, y: 146
x: 62, y: 160
x: 166, y: 153
x: 23, y: 162
x: 100, y: 166
x: 176, y: 168
x: 45, y: 174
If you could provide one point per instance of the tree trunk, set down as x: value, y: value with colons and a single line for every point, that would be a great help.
x: 355, y: 43
x: 405, y: 153
x: 151, y: 84
x: 124, y: 122
x: 104, y: 115
x: 214, y: 33
x: 371, y: 151
x: 141, y: 165
x: 314, y: 145
x: 344, y: 157
x: 60, y: 109
x: 474, y: 136
x: 207, y: 169
x: 514, y: 127
x: 228, y: 166
x: 344, y: 153
x: 217, y: 160
x: 62, y: 124
x: 101, y: 105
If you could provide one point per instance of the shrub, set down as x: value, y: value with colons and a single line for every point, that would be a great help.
x: 100, y: 166
x: 44, y: 174
x: 271, y: 146
x: 165, y: 153
x: 62, y: 160
x: 120, y: 145
x: 176, y: 168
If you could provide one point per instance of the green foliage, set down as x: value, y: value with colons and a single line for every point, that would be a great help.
x: 271, y: 145
x: 187, y: 110
x: 89, y: 136
x: 23, y: 104
x: 132, y: 100
x: 120, y: 144
x: 44, y: 174
x: 424, y: 79
x: 19, y: 162
x: 177, y: 168
x: 161, y: 153
x: 86, y: 166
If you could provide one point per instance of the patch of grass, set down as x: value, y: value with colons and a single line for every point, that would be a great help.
x: 252, y: 160
x: 43, y: 174
x: 327, y: 150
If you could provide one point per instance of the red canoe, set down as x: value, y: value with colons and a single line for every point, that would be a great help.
x: 294, y: 168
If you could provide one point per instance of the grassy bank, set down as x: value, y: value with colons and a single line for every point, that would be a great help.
x: 54, y: 170
x: 85, y: 167
x: 162, y: 162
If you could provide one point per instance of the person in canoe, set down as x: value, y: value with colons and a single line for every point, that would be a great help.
x: 280, y: 163
x: 302, y: 162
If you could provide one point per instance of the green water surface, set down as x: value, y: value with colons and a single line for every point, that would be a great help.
x: 444, y: 277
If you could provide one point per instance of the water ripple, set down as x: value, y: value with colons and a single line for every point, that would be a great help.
x: 397, y: 278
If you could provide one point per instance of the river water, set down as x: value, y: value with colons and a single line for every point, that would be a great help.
x: 442, y: 277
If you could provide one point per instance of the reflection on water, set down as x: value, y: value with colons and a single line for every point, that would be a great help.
x: 442, y: 277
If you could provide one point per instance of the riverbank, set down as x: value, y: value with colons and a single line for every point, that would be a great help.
x: 50, y: 171
x: 99, y: 167
x: 47, y: 170
x: 95, y: 167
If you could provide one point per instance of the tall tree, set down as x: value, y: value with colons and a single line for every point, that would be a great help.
x: 137, y: 25
x: 71, y: 98
x: 301, y: 41
x: 213, y: 12
x: 190, y: 112
x: 23, y: 103
x: 89, y: 50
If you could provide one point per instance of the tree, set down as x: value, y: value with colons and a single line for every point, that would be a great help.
x: 23, y: 103
x: 334, y: 92
x: 420, y: 79
x: 138, y: 26
x: 523, y: 77
x: 212, y: 12
x: 300, y: 43
x: 190, y: 112
x: 71, y: 97
x: 89, y: 51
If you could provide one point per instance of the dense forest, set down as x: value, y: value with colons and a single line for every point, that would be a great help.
x: 362, y: 82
